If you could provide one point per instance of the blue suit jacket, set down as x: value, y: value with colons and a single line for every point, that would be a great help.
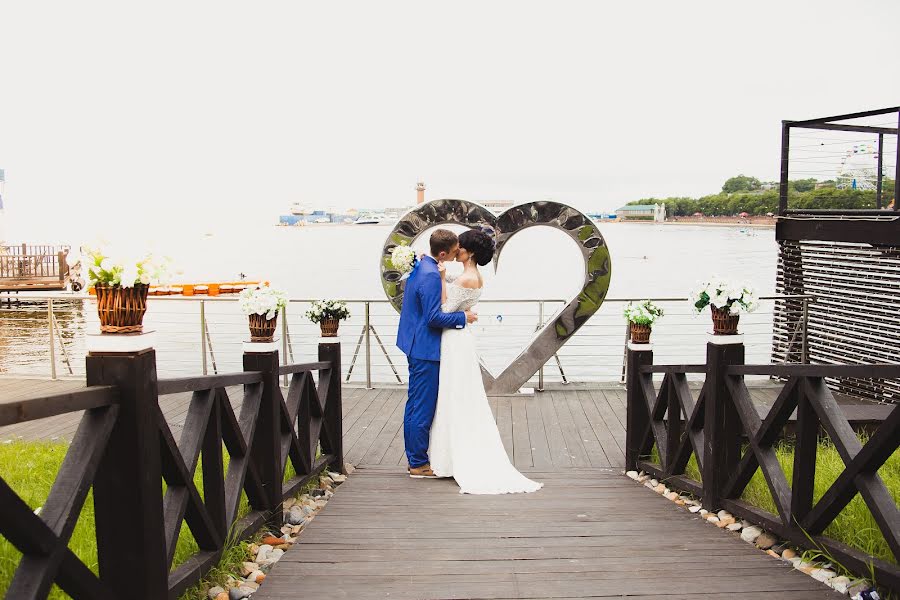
x: 421, y: 319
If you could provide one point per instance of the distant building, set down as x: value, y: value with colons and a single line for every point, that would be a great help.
x: 498, y: 206
x: 420, y: 192
x: 642, y: 212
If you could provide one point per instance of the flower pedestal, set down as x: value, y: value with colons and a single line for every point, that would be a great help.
x: 120, y: 343
x: 724, y: 340
x: 640, y: 334
x: 261, y: 328
x: 724, y: 323
x: 259, y: 347
x: 121, y: 309
x: 329, y: 327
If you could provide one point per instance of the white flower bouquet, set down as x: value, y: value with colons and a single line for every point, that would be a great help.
x: 328, y: 310
x: 643, y: 313
x: 724, y: 295
x: 403, y: 258
x: 108, y: 267
x: 262, y: 300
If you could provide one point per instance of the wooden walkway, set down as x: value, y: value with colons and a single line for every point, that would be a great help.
x: 590, y: 533
x: 554, y: 429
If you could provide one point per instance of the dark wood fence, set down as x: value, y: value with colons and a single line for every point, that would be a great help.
x: 125, y: 450
x: 724, y: 431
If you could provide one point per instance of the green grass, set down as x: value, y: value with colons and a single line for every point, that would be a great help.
x: 30, y: 469
x: 236, y: 552
x: 855, y: 525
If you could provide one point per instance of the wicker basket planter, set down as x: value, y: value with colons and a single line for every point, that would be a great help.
x: 724, y: 323
x: 121, y: 309
x: 640, y: 334
x: 329, y: 327
x: 262, y: 329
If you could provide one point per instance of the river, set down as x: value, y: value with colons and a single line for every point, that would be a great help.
x: 649, y: 260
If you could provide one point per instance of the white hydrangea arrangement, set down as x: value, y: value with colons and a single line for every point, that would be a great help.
x: 725, y: 295
x: 262, y: 300
x: 403, y: 258
x: 643, y: 313
x: 324, y: 310
x: 110, y: 267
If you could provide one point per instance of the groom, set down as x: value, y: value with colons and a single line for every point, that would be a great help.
x: 419, y: 337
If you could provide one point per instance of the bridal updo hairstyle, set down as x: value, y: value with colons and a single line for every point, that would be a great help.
x: 479, y: 244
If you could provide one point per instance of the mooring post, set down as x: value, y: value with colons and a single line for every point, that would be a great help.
x: 128, y: 496
x: 266, y: 449
x: 637, y: 414
x: 722, y: 427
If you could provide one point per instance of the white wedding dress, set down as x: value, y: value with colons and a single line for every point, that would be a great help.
x: 465, y: 443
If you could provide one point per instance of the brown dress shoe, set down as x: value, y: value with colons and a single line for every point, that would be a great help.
x: 423, y: 472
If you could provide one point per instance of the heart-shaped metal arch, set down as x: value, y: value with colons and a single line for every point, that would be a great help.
x: 597, y: 262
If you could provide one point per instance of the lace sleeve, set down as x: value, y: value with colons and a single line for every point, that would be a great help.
x: 460, y: 298
x: 455, y: 297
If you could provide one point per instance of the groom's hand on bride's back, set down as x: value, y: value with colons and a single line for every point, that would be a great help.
x: 471, y: 317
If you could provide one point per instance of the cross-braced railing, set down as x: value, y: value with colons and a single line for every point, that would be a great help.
x: 125, y: 449
x: 730, y: 440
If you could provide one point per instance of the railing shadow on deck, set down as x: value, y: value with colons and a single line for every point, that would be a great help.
x: 124, y: 450
x: 721, y: 421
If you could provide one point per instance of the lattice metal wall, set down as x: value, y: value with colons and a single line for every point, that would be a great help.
x: 854, y: 317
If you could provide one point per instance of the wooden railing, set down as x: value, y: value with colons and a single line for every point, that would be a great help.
x: 722, y: 428
x: 25, y: 249
x: 125, y: 449
x: 34, y: 266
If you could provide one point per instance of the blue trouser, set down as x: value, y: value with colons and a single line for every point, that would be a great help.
x: 421, y: 403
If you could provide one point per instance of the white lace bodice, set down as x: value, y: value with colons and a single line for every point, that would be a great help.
x: 460, y: 298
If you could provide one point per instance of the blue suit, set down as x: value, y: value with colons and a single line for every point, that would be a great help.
x: 419, y: 337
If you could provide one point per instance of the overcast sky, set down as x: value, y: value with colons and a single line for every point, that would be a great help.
x: 114, y: 114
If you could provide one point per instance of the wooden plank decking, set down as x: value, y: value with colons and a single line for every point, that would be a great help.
x: 590, y: 533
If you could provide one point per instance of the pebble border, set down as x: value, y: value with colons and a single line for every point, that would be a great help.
x: 298, y: 513
x: 858, y: 589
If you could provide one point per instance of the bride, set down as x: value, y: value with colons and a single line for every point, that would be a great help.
x: 465, y: 443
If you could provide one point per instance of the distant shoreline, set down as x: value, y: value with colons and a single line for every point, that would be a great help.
x: 762, y: 222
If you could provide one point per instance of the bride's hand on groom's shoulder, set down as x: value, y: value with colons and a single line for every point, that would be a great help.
x: 442, y: 270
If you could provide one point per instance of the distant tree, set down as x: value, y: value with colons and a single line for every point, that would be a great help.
x: 803, y: 185
x: 741, y: 183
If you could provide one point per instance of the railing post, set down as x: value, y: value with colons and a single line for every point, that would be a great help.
x: 333, y: 440
x: 368, y: 348
x: 284, y: 343
x: 637, y: 415
x: 52, y: 338
x: 722, y: 427
x: 539, y: 325
x: 62, y: 266
x: 127, y: 486
x: 203, y: 335
x: 266, y: 449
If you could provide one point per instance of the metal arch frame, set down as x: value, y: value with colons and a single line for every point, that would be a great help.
x: 553, y: 335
